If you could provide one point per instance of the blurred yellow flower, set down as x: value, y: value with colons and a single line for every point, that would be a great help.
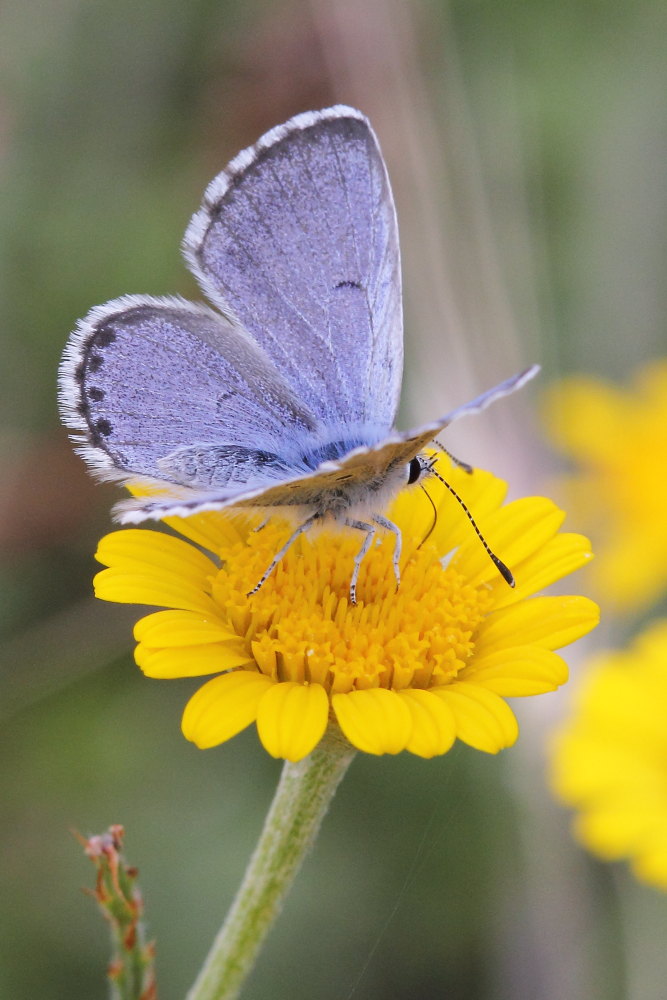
x: 609, y: 760
x: 618, y: 437
x: 409, y: 669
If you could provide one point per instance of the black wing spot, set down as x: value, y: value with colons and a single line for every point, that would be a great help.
x: 348, y: 283
x: 103, y: 427
x: 104, y: 337
x: 94, y: 364
x: 97, y: 395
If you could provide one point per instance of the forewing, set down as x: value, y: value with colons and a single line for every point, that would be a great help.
x: 361, y: 467
x: 364, y: 466
x: 485, y: 399
x: 144, y: 378
x: 298, y: 240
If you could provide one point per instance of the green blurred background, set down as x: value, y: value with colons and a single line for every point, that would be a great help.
x: 526, y: 143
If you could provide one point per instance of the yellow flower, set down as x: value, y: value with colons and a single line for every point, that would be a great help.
x: 618, y: 437
x: 409, y: 669
x: 609, y: 760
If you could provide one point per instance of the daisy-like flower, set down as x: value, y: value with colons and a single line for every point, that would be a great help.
x: 407, y: 669
x: 618, y: 438
x: 609, y: 760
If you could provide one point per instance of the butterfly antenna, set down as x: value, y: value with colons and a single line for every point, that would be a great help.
x: 504, y: 570
x: 435, y: 516
x: 457, y: 461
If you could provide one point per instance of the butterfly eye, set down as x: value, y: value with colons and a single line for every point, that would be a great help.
x: 415, y: 469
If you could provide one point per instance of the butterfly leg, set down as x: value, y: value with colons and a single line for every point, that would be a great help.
x: 388, y: 525
x: 279, y: 555
x: 359, y: 558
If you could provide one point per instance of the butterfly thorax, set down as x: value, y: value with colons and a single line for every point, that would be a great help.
x: 340, y: 493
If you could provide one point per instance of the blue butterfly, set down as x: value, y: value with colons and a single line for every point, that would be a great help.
x: 285, y: 395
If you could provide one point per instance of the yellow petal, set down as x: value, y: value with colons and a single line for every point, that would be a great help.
x: 480, y: 489
x: 615, y: 828
x: 212, y: 530
x: 551, y: 622
x: 518, y: 671
x: 376, y: 721
x: 586, y: 414
x: 216, y: 531
x: 482, y: 492
x: 483, y: 720
x: 223, y: 707
x: 181, y: 628
x: 434, y: 728
x: 189, y: 661
x: 292, y: 718
x: 559, y: 557
x: 514, y: 532
x: 629, y: 570
x: 149, y: 567
x: 144, y: 550
x: 651, y: 867
x: 593, y: 768
x: 162, y: 590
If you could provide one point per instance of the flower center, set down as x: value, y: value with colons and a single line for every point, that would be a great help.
x: 301, y: 627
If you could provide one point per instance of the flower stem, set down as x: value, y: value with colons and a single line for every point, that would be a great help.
x: 302, y: 797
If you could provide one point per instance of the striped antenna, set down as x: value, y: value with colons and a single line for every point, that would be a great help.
x: 504, y: 570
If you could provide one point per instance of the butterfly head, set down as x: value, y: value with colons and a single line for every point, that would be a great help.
x: 418, y: 468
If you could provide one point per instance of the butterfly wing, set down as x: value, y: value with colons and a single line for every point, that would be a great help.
x: 297, y: 239
x: 359, y: 467
x: 297, y: 242
x: 161, y: 388
x: 485, y: 399
x: 356, y: 469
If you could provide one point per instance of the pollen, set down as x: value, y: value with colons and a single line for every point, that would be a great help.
x: 300, y: 625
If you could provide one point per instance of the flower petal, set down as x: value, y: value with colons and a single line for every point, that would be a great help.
x: 150, y: 567
x: 550, y: 622
x: 518, y: 671
x: 217, y: 533
x: 189, y: 661
x: 292, y: 718
x: 375, y: 721
x: 559, y: 557
x: 214, y: 533
x: 144, y: 550
x: 483, y: 720
x: 210, y: 530
x: 481, y: 491
x: 651, y: 867
x: 434, y: 727
x: 514, y: 532
x: 181, y: 628
x: 608, y: 759
x: 155, y: 589
x: 223, y: 707
x: 615, y: 828
x: 585, y: 416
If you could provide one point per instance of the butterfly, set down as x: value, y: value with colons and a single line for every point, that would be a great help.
x: 284, y: 395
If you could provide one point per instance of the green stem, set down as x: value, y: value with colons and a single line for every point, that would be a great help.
x: 302, y: 797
